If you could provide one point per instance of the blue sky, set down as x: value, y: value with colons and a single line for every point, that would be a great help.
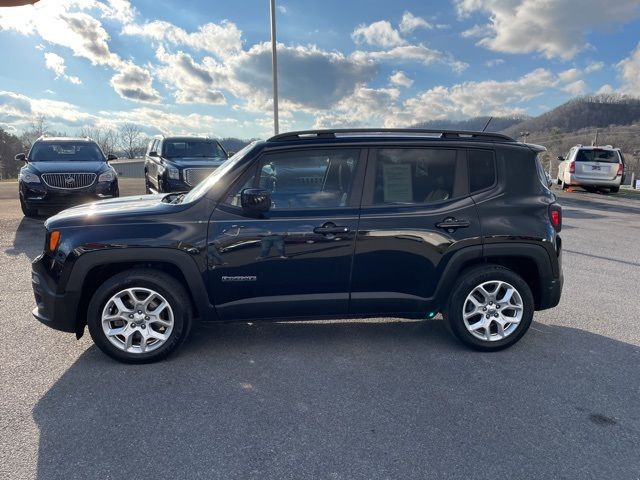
x: 196, y: 66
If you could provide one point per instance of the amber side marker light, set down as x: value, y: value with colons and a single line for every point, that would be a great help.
x: 54, y: 240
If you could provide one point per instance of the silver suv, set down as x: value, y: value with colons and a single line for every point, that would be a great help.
x: 591, y: 168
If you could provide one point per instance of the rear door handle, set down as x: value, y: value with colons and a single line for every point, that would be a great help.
x: 451, y: 224
x: 331, y: 228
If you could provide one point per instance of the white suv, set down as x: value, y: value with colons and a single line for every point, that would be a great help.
x: 591, y: 168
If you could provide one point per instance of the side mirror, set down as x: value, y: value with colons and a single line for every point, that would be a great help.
x: 230, y: 154
x: 111, y: 156
x: 560, y: 158
x: 255, y: 200
x: 21, y: 157
x: 153, y: 154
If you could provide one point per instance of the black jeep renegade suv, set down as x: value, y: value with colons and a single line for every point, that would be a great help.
x: 60, y: 172
x: 308, y: 225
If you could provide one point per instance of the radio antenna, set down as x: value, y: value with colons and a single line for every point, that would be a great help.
x: 487, y: 124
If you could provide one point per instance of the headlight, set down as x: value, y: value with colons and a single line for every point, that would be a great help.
x: 173, y: 173
x: 29, y: 177
x: 107, y: 177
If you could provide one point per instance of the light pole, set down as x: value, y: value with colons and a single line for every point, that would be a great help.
x: 274, y: 67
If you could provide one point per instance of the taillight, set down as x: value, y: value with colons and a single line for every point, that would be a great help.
x: 572, y: 167
x: 620, y: 169
x: 555, y: 216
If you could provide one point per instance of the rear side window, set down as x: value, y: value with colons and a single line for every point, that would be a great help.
x: 414, y: 175
x: 597, y: 155
x: 482, y: 169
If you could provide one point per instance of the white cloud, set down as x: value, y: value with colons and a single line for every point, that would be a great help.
x: 55, y: 63
x: 594, y: 67
x: 134, y: 83
x: 366, y: 107
x: 378, y: 34
x: 579, y: 87
x: 59, y: 23
x: 494, y: 63
x: 410, y: 23
x: 282, y: 9
x: 605, y: 89
x: 553, y: 28
x: 472, y: 99
x: 120, y: 10
x: 400, y: 79
x: 20, y: 110
x: 414, y: 53
x: 309, y: 78
x: 192, y: 82
x: 569, y: 75
x: 630, y: 72
x: 222, y: 39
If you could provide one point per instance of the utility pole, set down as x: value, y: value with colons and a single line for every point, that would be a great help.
x: 274, y: 67
x: 595, y: 140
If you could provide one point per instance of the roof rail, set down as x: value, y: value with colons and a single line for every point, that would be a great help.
x: 332, y: 133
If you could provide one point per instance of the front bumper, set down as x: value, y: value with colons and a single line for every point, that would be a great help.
x: 171, y: 185
x: 41, y: 196
x: 54, y: 309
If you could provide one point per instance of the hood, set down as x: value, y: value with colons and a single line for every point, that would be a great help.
x: 67, y: 167
x: 195, y: 162
x: 114, y: 210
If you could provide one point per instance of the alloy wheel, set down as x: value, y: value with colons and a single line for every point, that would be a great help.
x: 137, y: 320
x: 492, y: 311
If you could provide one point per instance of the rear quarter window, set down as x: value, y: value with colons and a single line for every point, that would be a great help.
x: 482, y: 170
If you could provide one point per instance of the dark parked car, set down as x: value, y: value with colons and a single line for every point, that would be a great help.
x: 177, y: 164
x: 61, y: 172
x: 321, y: 224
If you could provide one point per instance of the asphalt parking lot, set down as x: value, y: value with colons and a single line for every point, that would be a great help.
x: 339, y: 400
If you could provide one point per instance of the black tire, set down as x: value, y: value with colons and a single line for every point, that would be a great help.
x: 469, y: 280
x: 26, y: 211
x: 158, y: 281
x: 614, y: 189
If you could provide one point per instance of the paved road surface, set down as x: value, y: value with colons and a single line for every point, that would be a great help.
x: 338, y: 400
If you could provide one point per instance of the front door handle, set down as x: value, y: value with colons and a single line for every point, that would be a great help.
x: 452, y: 224
x: 331, y: 228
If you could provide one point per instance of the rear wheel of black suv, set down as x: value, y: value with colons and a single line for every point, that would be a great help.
x: 490, y: 308
x: 139, y: 316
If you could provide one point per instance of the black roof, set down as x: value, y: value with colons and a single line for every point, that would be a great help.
x: 391, y: 132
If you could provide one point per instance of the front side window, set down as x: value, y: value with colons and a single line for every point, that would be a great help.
x: 193, y: 148
x: 414, y: 175
x: 66, y: 152
x: 303, y: 179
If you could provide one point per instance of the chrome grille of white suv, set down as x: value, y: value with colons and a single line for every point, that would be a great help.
x: 193, y: 176
x: 69, y: 181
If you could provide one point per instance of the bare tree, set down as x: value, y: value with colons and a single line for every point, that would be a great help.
x: 131, y: 140
x: 106, y: 138
x: 38, y: 128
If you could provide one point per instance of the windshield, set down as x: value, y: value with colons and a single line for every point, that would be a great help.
x: 597, y: 155
x: 203, y: 187
x: 66, y: 152
x: 193, y: 148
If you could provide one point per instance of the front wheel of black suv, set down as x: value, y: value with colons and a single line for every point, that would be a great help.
x: 28, y: 212
x: 490, y: 308
x: 614, y: 189
x: 139, y: 316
